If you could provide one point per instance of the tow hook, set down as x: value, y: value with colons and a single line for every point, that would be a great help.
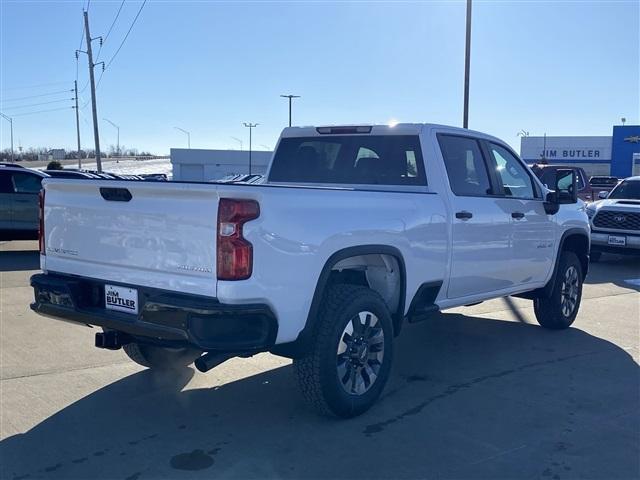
x: 212, y: 359
x: 111, y: 340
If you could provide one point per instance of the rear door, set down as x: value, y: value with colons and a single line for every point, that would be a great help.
x: 6, y: 200
x: 532, y: 238
x: 26, y: 186
x: 481, y: 227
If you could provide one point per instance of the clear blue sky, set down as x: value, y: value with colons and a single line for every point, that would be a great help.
x: 565, y: 68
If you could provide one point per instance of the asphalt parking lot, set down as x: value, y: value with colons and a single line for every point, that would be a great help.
x: 479, y: 392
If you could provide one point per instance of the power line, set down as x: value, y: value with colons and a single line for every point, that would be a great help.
x: 114, y: 21
x: 38, y: 104
x: 41, y: 111
x: 110, y: 28
x: 35, y: 96
x: 125, y: 37
x: 35, y: 86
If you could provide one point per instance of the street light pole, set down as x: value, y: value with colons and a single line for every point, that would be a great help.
x: 188, y: 135
x: 239, y: 141
x: 10, y: 120
x: 117, y: 128
x: 250, y: 126
x: 290, y: 97
x: 467, y: 64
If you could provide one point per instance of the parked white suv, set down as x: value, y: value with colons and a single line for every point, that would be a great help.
x: 615, y: 221
x: 357, y: 230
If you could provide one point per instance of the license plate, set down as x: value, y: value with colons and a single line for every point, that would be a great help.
x: 617, y: 240
x: 122, y: 299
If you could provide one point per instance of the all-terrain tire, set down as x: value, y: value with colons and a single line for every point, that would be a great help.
x: 160, y: 358
x: 325, y: 375
x: 560, y: 309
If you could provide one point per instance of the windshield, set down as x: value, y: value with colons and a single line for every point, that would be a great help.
x: 628, y: 190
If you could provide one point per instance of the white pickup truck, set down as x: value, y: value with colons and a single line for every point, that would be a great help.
x: 355, y: 230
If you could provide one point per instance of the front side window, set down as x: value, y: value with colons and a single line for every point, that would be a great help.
x: 511, y: 173
x: 465, y: 165
x: 350, y: 159
x: 26, y: 182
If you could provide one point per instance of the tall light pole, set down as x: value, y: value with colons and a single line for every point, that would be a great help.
x: 290, y: 97
x: 117, y: 128
x: 467, y: 64
x: 188, y: 135
x: 239, y: 141
x: 250, y: 126
x: 10, y: 120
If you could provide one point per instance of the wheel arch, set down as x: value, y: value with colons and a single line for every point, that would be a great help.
x: 574, y: 240
x: 328, y: 277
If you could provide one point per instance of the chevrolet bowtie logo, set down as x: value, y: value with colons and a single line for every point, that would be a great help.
x: 634, y: 139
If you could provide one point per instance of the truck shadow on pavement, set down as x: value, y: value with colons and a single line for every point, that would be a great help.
x: 468, y: 398
x: 19, y: 260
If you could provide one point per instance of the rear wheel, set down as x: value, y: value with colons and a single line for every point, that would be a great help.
x: 160, y: 358
x: 561, y: 308
x: 348, y: 365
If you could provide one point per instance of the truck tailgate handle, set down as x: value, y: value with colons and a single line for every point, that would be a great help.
x: 115, y: 194
x: 517, y: 215
x: 464, y: 215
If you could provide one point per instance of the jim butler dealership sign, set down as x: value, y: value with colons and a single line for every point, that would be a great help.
x: 566, y: 149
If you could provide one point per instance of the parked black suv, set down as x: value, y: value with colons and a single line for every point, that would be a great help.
x: 19, y: 188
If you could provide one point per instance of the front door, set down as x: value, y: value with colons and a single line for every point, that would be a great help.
x: 533, y: 234
x: 481, y: 230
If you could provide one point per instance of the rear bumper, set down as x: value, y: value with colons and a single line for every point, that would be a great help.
x: 600, y: 243
x: 165, y: 318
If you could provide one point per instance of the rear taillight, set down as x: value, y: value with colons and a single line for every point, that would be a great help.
x: 234, y: 253
x: 41, y: 222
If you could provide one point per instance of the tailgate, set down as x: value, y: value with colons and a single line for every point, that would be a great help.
x: 163, y: 237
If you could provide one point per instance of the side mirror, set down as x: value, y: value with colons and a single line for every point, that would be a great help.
x: 603, y: 194
x: 566, y: 186
x: 566, y: 190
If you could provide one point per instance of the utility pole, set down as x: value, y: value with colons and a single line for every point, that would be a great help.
x: 117, y: 128
x: 94, y: 108
x: 10, y: 120
x: 290, y: 97
x: 250, y: 126
x: 75, y: 85
x: 467, y: 64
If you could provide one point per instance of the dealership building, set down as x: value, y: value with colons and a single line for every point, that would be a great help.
x: 617, y: 155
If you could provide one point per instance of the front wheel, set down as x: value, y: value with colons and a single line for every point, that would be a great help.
x: 160, y: 358
x: 348, y: 364
x: 560, y: 309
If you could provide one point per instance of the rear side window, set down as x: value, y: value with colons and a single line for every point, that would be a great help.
x: 350, y: 159
x: 5, y: 182
x: 26, y: 182
x: 465, y: 165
